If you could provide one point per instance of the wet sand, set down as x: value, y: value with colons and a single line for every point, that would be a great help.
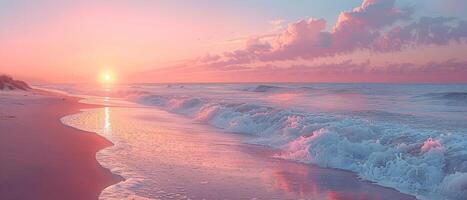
x: 40, y: 158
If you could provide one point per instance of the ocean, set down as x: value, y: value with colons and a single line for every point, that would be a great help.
x: 411, y: 137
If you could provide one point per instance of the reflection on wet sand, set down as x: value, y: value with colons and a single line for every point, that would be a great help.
x: 312, y: 182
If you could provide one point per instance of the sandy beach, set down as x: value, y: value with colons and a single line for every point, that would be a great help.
x: 43, y: 159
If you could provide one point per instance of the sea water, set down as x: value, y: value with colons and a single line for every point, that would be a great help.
x: 412, y: 137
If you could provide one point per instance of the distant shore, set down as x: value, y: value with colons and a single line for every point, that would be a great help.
x: 42, y: 158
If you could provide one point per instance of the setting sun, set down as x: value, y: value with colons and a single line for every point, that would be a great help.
x: 106, y: 77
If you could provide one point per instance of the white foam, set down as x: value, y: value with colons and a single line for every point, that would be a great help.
x: 397, y: 155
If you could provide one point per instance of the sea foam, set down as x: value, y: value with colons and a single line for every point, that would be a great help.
x: 425, y: 162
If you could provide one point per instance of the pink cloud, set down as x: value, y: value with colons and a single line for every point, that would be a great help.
x: 309, y: 39
x: 305, y: 38
x: 448, y: 71
x: 371, y: 26
x: 372, y: 14
x: 362, y: 26
x: 425, y: 31
x: 375, y: 26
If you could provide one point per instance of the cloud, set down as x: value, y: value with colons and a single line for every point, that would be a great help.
x: 277, y: 23
x: 448, y: 71
x: 372, y: 14
x: 252, y: 47
x: 349, y: 67
x: 375, y: 25
x: 360, y: 27
x: 425, y: 31
x: 305, y: 38
x: 207, y: 58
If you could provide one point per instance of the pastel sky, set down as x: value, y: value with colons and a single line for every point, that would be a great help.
x: 70, y: 41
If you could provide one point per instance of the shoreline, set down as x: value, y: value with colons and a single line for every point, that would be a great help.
x: 43, y: 158
x: 190, y: 165
x: 52, y: 105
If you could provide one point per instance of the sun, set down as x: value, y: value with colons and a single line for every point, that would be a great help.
x: 107, y: 77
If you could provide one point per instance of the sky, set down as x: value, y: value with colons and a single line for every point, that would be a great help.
x: 64, y: 41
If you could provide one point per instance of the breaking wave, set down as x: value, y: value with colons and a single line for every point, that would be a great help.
x: 425, y: 162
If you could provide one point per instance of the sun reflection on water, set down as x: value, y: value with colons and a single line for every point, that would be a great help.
x: 107, y: 125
